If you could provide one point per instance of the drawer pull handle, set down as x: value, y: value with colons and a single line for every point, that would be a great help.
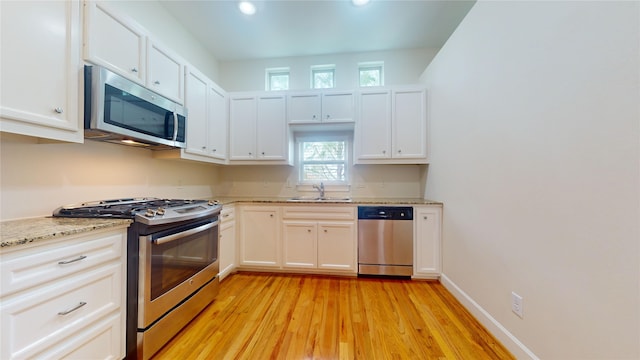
x: 81, y: 257
x: 81, y: 304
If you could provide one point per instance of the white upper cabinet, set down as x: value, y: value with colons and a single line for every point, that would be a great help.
x: 40, y: 72
x: 165, y: 72
x: 258, y: 128
x: 117, y: 42
x: 409, y: 122
x: 392, y: 126
x: 207, y: 118
x: 320, y: 107
x: 374, y: 128
x: 114, y: 41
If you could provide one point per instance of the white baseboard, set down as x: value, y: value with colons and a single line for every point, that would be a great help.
x: 515, y: 346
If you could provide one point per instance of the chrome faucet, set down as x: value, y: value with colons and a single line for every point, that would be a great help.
x: 320, y: 189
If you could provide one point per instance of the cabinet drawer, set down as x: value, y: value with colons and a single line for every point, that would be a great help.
x: 99, y: 341
x: 227, y: 214
x: 319, y: 212
x: 24, y: 269
x: 47, y: 315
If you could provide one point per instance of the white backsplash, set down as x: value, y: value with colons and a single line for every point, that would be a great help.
x: 38, y: 177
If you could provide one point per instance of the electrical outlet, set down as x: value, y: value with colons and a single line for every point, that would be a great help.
x: 516, y: 303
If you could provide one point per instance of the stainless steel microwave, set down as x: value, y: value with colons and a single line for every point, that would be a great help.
x: 121, y: 111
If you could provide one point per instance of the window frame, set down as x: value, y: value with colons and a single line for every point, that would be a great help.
x: 371, y: 65
x: 325, y: 137
x: 319, y: 69
x: 270, y: 72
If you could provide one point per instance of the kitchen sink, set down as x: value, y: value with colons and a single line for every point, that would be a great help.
x: 319, y: 199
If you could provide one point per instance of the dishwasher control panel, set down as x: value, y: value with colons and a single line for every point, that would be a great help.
x: 385, y: 212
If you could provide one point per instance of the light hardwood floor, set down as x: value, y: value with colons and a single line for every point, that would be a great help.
x: 275, y: 316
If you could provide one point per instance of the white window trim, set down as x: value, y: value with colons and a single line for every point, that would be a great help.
x: 371, y: 65
x: 329, y: 185
x: 275, y: 71
x: 323, y: 68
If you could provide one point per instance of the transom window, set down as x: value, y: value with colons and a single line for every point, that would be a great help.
x: 277, y: 79
x: 323, y: 76
x: 371, y: 74
x: 323, y: 159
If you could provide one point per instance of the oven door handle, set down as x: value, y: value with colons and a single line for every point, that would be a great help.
x: 172, y: 237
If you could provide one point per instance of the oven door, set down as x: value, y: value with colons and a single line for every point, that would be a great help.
x: 173, y: 265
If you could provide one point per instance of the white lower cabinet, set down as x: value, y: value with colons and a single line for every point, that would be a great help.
x: 65, y: 298
x: 319, y: 237
x: 259, y: 236
x: 427, y: 241
x: 227, y: 256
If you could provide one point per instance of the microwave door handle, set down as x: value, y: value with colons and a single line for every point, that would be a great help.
x: 175, y: 126
x: 172, y: 237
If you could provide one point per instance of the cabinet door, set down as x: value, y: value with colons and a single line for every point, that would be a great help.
x: 227, y: 248
x: 337, y: 107
x: 40, y: 69
x: 196, y: 103
x: 409, y: 124
x: 165, y: 72
x: 272, y: 128
x: 337, y: 245
x: 304, y: 108
x: 259, y: 237
x: 374, y: 125
x: 242, y: 126
x: 218, y: 122
x: 114, y: 41
x: 427, y: 222
x: 299, y: 244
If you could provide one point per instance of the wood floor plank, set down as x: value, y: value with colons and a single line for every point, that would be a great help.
x: 278, y: 316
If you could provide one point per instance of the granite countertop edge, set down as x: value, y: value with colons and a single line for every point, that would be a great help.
x: 31, y: 230
x: 354, y: 201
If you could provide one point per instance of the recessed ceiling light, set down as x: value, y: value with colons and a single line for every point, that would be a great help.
x: 247, y: 7
x: 360, y: 2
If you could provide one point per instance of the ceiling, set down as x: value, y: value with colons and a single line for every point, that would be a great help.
x: 314, y: 27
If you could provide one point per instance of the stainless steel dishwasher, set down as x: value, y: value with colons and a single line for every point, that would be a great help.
x: 385, y: 240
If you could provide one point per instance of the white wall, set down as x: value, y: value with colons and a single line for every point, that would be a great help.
x: 401, y: 67
x: 534, y: 110
x: 37, y: 177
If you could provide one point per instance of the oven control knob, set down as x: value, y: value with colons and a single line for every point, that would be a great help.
x: 160, y: 211
x: 150, y: 213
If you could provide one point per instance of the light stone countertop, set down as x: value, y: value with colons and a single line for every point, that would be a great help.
x: 25, y: 231
x: 354, y: 201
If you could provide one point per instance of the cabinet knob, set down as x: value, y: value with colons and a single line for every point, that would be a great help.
x: 250, y: 153
x: 157, y: 82
x: 213, y: 150
x: 399, y: 151
x: 325, y: 230
x: 309, y: 230
x: 270, y: 215
x: 134, y: 70
x: 204, y: 147
x: 59, y: 110
x: 384, y: 151
x: 314, y: 117
x: 425, y: 217
x: 263, y: 153
x: 328, y: 116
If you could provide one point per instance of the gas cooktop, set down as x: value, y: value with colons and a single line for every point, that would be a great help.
x: 146, y: 210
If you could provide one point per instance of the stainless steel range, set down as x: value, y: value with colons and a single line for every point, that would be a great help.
x: 172, y: 263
